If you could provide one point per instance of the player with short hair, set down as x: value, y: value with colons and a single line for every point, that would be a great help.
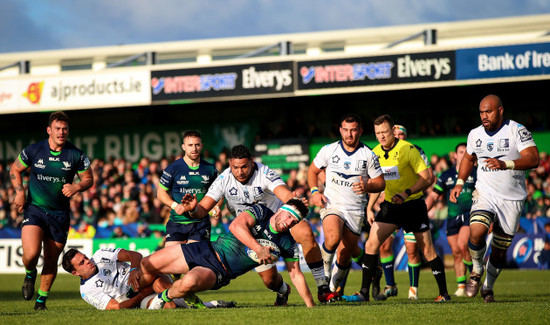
x: 52, y: 164
x: 212, y: 265
x: 352, y: 170
x: 458, y: 220
x: 189, y: 174
x: 111, y: 280
x: 503, y: 150
x: 246, y: 183
x: 406, y: 177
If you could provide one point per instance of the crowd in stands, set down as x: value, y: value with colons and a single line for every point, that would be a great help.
x: 124, y: 194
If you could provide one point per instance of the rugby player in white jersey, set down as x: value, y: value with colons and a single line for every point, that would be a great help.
x: 503, y: 150
x: 246, y: 183
x: 352, y: 170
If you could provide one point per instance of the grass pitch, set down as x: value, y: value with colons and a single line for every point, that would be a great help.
x: 522, y: 297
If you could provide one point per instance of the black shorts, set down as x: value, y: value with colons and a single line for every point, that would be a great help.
x: 412, y: 215
x: 55, y: 224
x: 454, y: 224
x: 198, y: 231
x: 203, y: 254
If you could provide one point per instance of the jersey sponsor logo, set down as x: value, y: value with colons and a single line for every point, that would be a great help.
x: 99, y: 283
x: 233, y: 191
x: 271, y: 175
x: 53, y: 158
x: 258, y: 192
x: 205, y: 179
x: 490, y: 145
x: 335, y: 159
x: 504, y: 143
x: 524, y: 135
x: 191, y: 190
x: 391, y: 173
x: 106, y: 272
x: 52, y: 179
x: 361, y: 164
x: 25, y: 220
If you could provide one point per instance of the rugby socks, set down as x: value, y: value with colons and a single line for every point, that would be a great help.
x: 492, y: 274
x: 328, y: 256
x: 164, y: 296
x: 478, y: 253
x: 387, y: 266
x: 414, y: 274
x: 357, y: 259
x: 438, y: 270
x: 339, y: 275
x: 369, y: 266
x: 283, y: 289
x: 468, y: 264
x: 42, y: 296
x: 318, y: 271
x: 461, y: 281
x: 31, y: 274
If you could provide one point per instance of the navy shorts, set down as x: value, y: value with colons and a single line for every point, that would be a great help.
x: 198, y: 231
x: 412, y: 215
x: 203, y: 254
x: 454, y: 224
x: 55, y: 225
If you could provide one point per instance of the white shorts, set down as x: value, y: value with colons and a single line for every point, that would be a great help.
x: 353, y: 219
x: 145, y: 301
x: 507, y: 212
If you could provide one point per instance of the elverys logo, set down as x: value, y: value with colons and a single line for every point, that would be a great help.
x: 34, y: 92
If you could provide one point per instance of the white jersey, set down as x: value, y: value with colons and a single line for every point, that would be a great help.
x: 110, y: 282
x: 504, y: 144
x: 343, y: 168
x: 240, y: 197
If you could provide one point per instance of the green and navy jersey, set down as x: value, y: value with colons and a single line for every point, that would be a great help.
x: 49, y: 171
x: 445, y: 184
x: 233, y: 254
x: 179, y: 179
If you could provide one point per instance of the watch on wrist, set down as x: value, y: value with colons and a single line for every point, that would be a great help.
x: 408, y: 192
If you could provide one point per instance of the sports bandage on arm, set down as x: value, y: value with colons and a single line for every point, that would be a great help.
x: 174, y: 205
x: 510, y: 164
x: 459, y: 181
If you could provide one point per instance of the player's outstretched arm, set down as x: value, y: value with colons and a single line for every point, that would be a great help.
x: 299, y: 281
x: 240, y: 228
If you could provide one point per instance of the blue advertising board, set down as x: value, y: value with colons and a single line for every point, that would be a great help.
x: 503, y: 61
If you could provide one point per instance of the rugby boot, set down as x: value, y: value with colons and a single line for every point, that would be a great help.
x: 443, y: 298
x: 473, y: 284
x: 356, y: 297
x: 389, y: 291
x: 28, y: 285
x: 282, y: 298
x: 487, y: 295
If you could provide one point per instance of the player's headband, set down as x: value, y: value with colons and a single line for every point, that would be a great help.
x: 400, y: 128
x: 292, y: 210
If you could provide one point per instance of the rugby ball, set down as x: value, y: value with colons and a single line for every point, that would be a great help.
x: 275, y: 251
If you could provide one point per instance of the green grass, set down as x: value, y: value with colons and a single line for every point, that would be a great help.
x: 522, y: 297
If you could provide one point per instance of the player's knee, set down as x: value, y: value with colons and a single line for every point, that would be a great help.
x: 483, y: 218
